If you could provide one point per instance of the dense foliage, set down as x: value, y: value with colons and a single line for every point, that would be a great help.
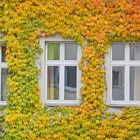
x: 94, y: 24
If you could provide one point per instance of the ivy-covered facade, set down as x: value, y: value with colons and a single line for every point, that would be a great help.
x: 66, y: 60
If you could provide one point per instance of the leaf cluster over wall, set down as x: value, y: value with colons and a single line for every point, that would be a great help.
x: 94, y: 25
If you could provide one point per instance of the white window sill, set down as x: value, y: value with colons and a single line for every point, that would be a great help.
x: 54, y: 103
x: 2, y: 103
x: 62, y: 103
x: 124, y: 103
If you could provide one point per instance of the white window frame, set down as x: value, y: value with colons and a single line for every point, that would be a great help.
x: 44, y: 63
x: 2, y: 65
x: 126, y: 63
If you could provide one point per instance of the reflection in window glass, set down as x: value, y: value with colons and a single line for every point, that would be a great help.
x: 70, y: 51
x: 53, y: 83
x: 134, y: 83
x: 116, y: 78
x: 118, y: 83
x: 3, y: 56
x: 135, y: 52
x: 4, y: 73
x: 70, y: 82
x: 53, y: 51
x: 118, y: 51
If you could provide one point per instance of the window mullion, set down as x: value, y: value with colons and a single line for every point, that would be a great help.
x: 127, y: 84
x: 78, y: 85
x: 61, y: 84
x: 127, y: 73
x: 127, y: 52
x: 62, y: 51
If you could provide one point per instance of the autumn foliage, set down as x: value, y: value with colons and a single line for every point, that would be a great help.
x: 94, y: 24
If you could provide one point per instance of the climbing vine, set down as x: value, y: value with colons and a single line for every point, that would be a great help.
x: 94, y: 25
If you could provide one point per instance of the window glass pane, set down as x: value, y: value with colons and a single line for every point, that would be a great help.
x: 135, y: 83
x: 53, y: 51
x: 70, y: 82
x: 4, y: 73
x: 118, y: 83
x: 135, y: 52
x: 70, y: 51
x: 118, y: 51
x: 53, y: 83
x: 3, y: 53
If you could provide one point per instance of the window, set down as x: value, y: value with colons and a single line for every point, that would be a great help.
x: 62, y: 75
x: 124, y: 74
x: 3, y: 75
